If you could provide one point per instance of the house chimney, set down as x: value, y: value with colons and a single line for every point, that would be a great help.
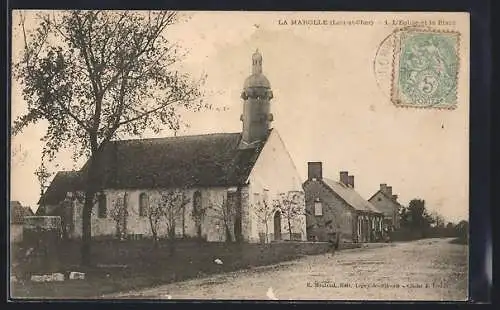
x: 383, y: 188
x: 395, y: 197
x: 389, y: 191
x: 344, y: 178
x: 351, y: 181
x: 314, y: 170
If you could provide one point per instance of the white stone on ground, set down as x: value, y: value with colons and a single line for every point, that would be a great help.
x: 218, y: 261
x: 76, y: 275
x: 270, y: 294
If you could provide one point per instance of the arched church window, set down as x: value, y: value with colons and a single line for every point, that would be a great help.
x: 101, y: 206
x: 143, y: 204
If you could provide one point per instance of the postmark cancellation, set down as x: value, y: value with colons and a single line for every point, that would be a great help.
x: 425, y: 68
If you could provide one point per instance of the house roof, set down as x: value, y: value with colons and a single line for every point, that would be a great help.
x: 350, y: 196
x: 386, y: 196
x: 186, y: 161
x: 18, y: 212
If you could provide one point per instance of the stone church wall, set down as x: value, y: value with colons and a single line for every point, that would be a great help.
x: 212, y: 223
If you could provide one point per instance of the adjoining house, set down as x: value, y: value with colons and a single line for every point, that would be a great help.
x: 248, y: 170
x: 387, y: 202
x: 17, y: 214
x: 335, y: 207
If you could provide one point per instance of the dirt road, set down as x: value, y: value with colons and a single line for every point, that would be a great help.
x: 430, y: 269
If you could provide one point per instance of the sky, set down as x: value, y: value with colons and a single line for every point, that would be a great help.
x: 327, y: 104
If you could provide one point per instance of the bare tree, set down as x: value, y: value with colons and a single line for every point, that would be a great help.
x: 18, y: 155
x: 198, y: 213
x: 95, y: 76
x: 166, y: 207
x: 155, y: 211
x: 119, y: 214
x: 175, y: 203
x: 43, y: 175
x: 290, y: 207
x: 264, y: 210
x: 437, y: 219
x: 224, y: 213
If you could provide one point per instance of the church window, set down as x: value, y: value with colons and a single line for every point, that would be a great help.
x: 102, y: 208
x: 379, y: 199
x: 143, y: 204
x: 318, y: 208
x: 197, y: 212
x: 256, y: 197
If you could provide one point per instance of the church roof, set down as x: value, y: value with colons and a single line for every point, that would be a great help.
x: 209, y: 160
x: 350, y: 196
x: 63, y: 182
x: 257, y: 80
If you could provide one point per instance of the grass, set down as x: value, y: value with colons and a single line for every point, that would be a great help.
x: 145, y: 266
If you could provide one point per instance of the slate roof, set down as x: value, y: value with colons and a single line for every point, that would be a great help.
x: 18, y: 212
x: 350, y: 196
x: 186, y: 161
x: 386, y: 196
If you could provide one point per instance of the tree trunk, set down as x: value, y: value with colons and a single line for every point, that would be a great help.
x: 86, y: 228
x: 289, y: 228
x: 198, y: 230
x: 171, y: 240
x: 92, y: 184
x: 155, y: 239
x: 117, y: 231
x: 267, y: 232
x: 229, y: 238
x: 183, y: 221
x: 153, y: 232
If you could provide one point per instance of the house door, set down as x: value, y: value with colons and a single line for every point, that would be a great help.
x: 277, y: 225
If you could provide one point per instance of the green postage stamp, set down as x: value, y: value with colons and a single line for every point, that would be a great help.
x: 425, y: 68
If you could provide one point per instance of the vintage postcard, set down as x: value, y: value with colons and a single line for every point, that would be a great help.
x: 239, y: 155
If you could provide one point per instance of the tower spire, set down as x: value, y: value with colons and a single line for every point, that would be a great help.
x: 256, y: 115
x: 257, y: 62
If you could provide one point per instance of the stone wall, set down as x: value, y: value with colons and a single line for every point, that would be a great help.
x: 274, y: 173
x: 334, y: 210
x: 16, y: 233
x: 211, y: 226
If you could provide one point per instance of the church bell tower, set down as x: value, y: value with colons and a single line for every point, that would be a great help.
x: 256, y: 115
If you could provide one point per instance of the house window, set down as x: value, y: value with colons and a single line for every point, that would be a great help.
x: 102, y: 208
x: 318, y: 208
x: 143, y: 204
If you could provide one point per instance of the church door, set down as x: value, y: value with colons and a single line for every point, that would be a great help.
x: 277, y: 225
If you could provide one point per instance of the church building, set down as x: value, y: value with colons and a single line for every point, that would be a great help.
x: 246, y: 172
